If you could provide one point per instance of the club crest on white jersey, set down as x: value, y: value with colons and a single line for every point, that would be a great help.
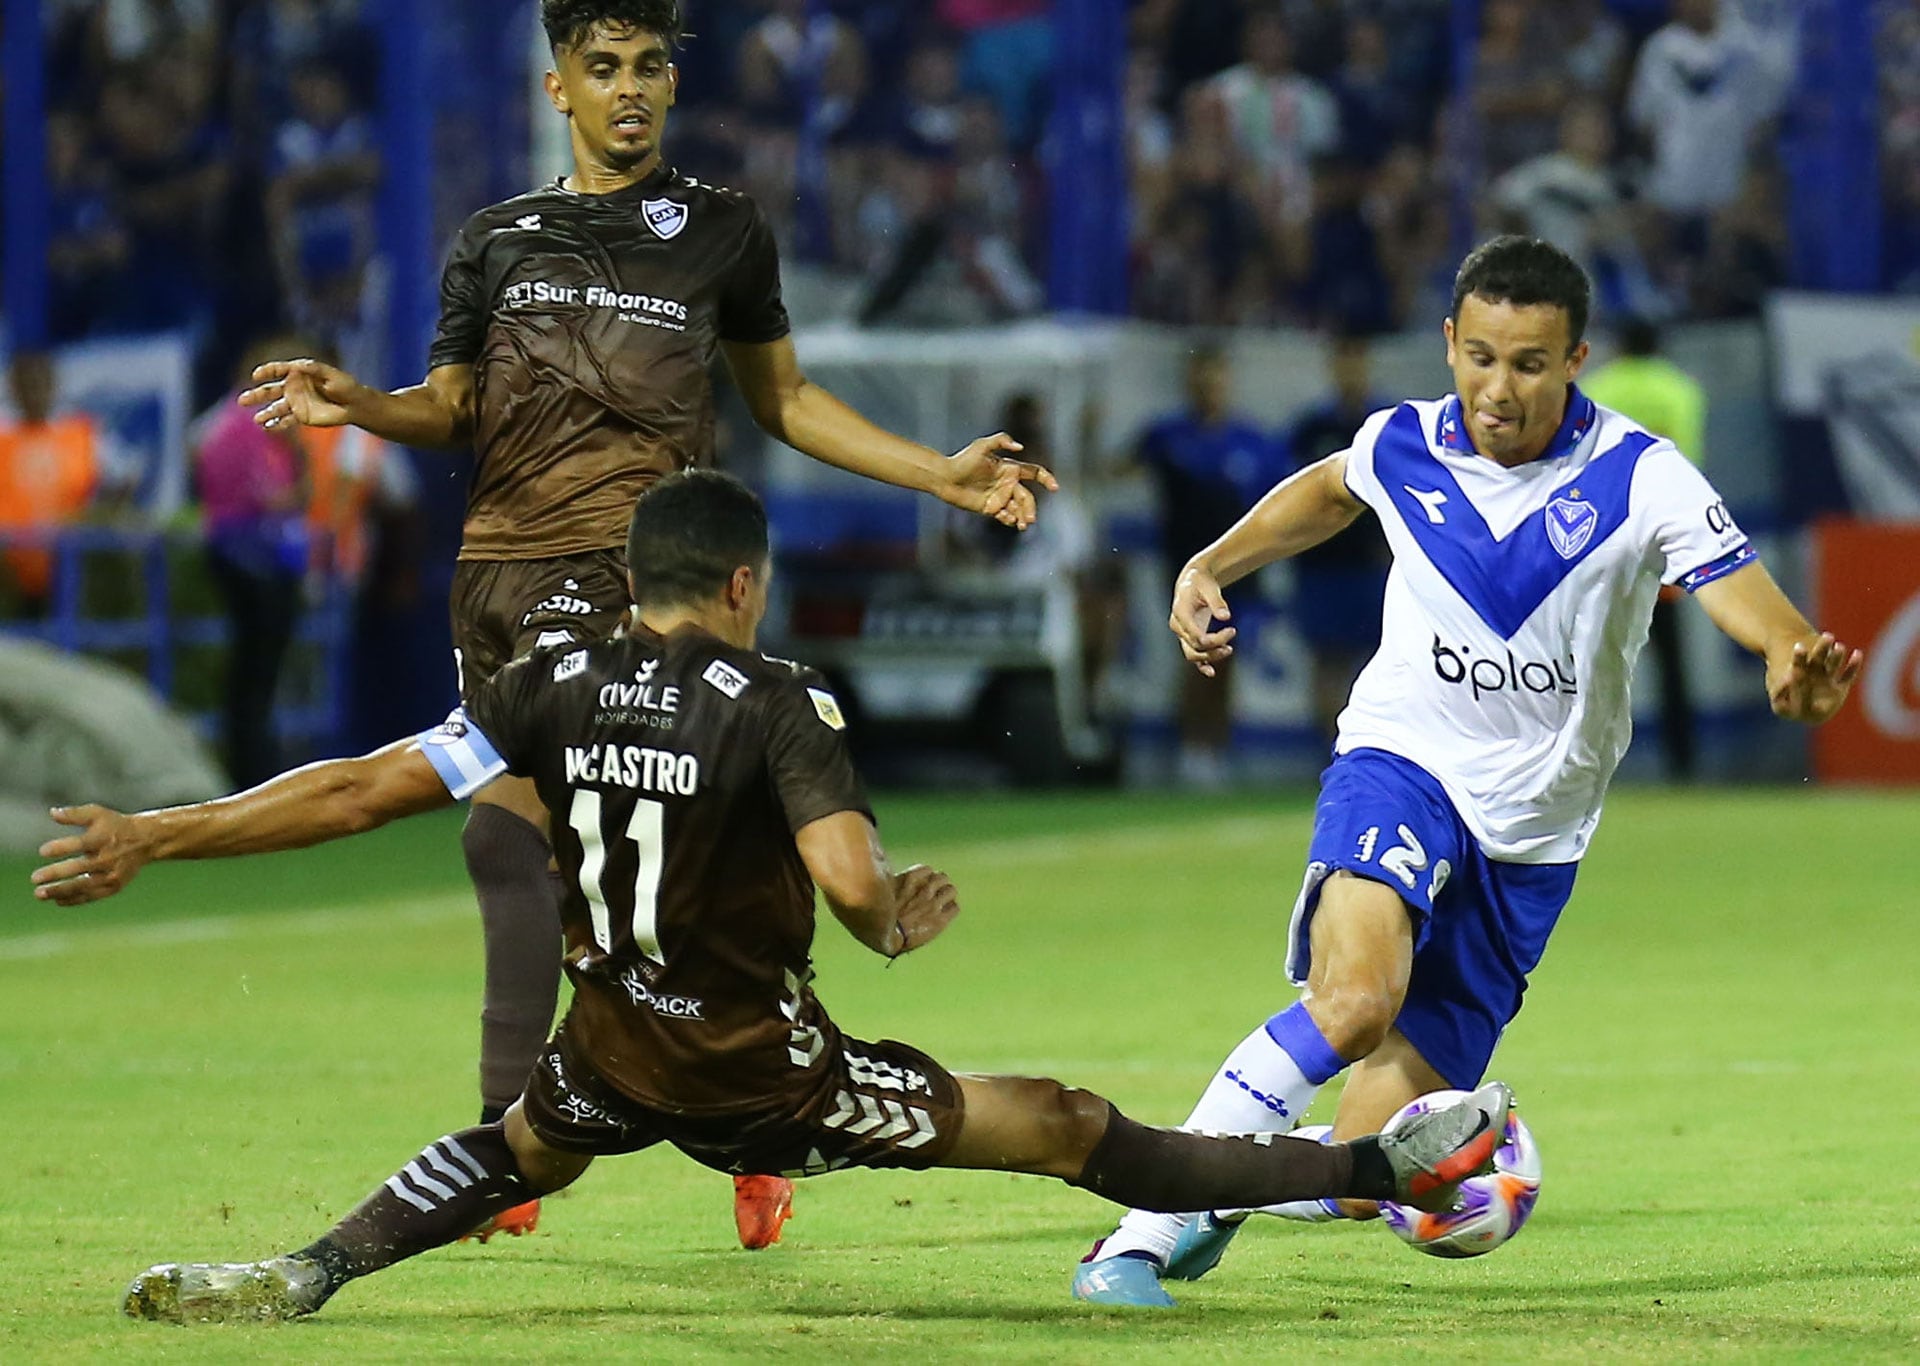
x: 1570, y: 524
x: 1518, y: 602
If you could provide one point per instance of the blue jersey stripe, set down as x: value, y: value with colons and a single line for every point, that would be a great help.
x: 1504, y: 581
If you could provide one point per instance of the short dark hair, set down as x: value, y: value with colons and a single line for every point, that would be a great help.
x: 689, y: 533
x: 1523, y: 271
x: 568, y: 22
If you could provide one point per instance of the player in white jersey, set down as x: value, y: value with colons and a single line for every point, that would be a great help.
x: 1531, y: 530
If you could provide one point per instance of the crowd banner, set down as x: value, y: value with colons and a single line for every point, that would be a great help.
x: 1854, y: 362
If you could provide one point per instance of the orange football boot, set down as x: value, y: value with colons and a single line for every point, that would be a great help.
x: 761, y: 1204
x: 515, y: 1223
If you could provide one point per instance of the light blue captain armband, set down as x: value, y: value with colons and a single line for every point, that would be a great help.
x: 1740, y: 556
x: 461, y: 754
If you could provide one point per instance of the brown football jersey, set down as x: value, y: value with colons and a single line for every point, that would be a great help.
x: 678, y: 770
x: 591, y: 323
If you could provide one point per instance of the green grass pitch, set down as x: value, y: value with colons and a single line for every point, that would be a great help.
x: 1718, y: 1058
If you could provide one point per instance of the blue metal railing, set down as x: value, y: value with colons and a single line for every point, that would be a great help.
x: 160, y: 633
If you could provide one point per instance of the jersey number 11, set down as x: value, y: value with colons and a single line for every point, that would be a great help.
x: 644, y: 831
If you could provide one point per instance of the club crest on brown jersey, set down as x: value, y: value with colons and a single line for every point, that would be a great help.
x: 665, y: 217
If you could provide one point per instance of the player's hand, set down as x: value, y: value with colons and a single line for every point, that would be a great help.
x: 982, y: 479
x: 93, y: 864
x: 1197, y: 604
x: 1813, y: 680
x: 925, y: 903
x: 308, y: 393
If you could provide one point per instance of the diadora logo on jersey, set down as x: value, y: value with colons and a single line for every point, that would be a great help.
x: 530, y: 221
x: 725, y: 677
x: 547, y: 639
x: 1504, y: 672
x: 649, y: 310
x: 1430, y: 501
x: 1570, y: 524
x: 570, y: 666
x: 665, y: 217
x: 827, y: 707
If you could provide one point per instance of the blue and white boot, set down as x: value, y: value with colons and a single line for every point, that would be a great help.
x: 1203, y: 1240
x: 1126, y: 1280
x: 1202, y: 1243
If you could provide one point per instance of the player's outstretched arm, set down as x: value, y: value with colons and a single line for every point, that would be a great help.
x: 891, y: 913
x: 1809, y: 673
x: 311, y: 393
x: 982, y: 478
x: 307, y: 806
x: 1297, y: 514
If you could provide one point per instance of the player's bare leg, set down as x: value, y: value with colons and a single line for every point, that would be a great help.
x: 1362, y: 958
x: 1362, y: 942
x: 1377, y: 1087
x: 456, y: 1183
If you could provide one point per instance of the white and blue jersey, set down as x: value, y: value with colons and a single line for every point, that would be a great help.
x: 1475, y: 750
x: 1516, y: 607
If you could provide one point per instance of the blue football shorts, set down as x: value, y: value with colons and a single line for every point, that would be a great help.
x: 1479, y: 925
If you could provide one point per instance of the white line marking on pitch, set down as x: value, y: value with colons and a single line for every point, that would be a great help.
x: 1009, y: 851
x: 206, y: 929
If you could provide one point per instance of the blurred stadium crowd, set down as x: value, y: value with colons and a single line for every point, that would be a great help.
x: 1311, y: 162
x: 212, y: 168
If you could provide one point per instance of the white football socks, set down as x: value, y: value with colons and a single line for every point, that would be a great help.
x: 1264, y: 1086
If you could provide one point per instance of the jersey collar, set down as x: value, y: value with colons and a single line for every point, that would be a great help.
x: 656, y: 180
x: 1582, y: 413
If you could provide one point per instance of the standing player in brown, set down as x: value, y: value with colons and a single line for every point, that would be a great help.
x: 578, y: 326
x: 700, y: 792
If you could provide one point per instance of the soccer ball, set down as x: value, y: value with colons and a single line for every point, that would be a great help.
x: 1488, y: 1210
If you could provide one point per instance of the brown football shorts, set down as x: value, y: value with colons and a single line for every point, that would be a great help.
x: 503, y: 608
x: 871, y: 1105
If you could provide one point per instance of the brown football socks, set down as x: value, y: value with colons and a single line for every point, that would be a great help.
x: 1174, y: 1171
x: 520, y: 913
x: 455, y: 1185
